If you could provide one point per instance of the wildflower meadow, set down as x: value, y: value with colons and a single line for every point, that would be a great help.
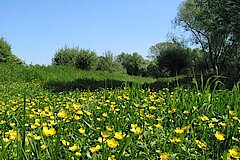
x: 121, y: 123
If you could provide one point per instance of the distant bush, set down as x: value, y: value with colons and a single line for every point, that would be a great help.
x: 109, y: 64
x: 76, y: 57
x: 6, y: 55
x: 86, y: 60
x: 66, y: 56
x: 134, y: 63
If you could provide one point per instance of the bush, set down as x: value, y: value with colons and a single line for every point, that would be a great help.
x: 86, y: 60
x: 109, y: 64
x: 66, y: 56
x: 134, y: 63
x: 174, y: 59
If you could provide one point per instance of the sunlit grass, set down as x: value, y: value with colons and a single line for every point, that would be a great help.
x: 123, y: 123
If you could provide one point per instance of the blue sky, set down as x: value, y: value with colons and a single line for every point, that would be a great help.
x: 37, y: 29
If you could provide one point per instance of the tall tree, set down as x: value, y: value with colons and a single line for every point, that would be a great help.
x: 208, y: 21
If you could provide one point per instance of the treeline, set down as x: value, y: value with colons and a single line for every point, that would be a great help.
x: 165, y: 59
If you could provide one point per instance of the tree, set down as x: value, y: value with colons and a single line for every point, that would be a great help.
x: 86, y: 60
x: 66, y: 56
x: 175, y: 59
x: 134, y: 63
x: 6, y: 55
x: 108, y: 63
x: 208, y: 21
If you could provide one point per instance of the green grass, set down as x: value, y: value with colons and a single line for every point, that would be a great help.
x: 128, y: 122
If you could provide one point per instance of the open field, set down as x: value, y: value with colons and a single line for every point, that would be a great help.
x: 127, y: 122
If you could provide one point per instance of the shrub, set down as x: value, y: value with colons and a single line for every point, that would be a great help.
x: 66, y: 56
x: 86, y: 60
x: 109, y: 64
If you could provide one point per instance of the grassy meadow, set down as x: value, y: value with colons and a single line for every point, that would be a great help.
x: 63, y: 113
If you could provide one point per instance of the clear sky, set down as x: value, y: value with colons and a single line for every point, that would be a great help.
x: 36, y: 29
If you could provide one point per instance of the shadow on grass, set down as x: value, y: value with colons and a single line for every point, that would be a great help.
x: 92, y: 84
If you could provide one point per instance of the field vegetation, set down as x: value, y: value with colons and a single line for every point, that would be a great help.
x: 125, y: 122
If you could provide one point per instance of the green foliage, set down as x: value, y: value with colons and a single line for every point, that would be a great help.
x: 66, y: 56
x: 174, y: 59
x: 86, y: 60
x: 6, y: 55
x: 215, y: 27
x: 109, y: 64
x: 134, y: 63
x: 170, y: 57
x: 79, y: 58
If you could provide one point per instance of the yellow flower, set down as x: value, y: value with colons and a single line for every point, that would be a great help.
x: 219, y: 136
x: 159, y: 126
x: 48, y: 132
x: 179, y: 130
x: 100, y: 139
x: 204, y: 118
x: 150, y: 116
x: 134, y: 125
x: 186, y: 127
x: 175, y: 139
x: 223, y: 124
x: 234, y: 153
x: 81, y: 130
x: 105, y: 135
x: 109, y: 128
x: 112, y: 143
x: 152, y: 107
x: 78, y: 154
x: 112, y: 157
x: 186, y: 112
x: 73, y: 148
x: 211, y: 125
x: 95, y: 149
x: 119, y: 135
x: 232, y: 113
x: 137, y: 130
x: 88, y: 113
x: 43, y: 147
x: 215, y: 120
x: 195, y: 108
x: 200, y: 144
x: 62, y: 113
x: 105, y: 115
x: 36, y: 137
x: 164, y: 156
x: 65, y: 143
